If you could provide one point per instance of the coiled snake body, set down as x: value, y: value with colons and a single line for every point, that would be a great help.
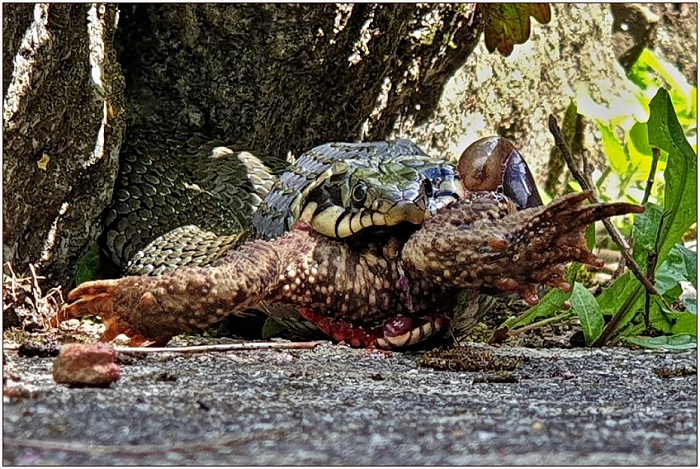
x: 199, y: 200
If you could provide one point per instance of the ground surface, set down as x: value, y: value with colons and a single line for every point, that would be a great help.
x: 335, y: 405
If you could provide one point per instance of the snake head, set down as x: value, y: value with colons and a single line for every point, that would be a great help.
x: 342, y: 189
x: 399, y: 184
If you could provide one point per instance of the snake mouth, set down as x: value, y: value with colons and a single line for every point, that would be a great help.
x: 411, y: 207
x: 336, y: 222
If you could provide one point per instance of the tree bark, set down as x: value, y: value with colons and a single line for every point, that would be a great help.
x: 277, y: 78
x: 63, y: 122
x: 268, y: 78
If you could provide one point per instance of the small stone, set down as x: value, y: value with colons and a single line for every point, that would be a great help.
x: 86, y: 365
x: 538, y: 426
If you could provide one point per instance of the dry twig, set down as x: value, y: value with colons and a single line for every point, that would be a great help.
x: 36, y: 291
x: 612, y: 229
x: 211, y: 348
x: 222, y: 347
x: 181, y: 446
x: 655, y: 155
x: 13, y: 280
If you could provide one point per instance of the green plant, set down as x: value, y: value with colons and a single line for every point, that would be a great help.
x: 624, y: 132
x: 652, y: 162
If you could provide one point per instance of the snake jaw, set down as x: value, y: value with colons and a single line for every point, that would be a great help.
x: 403, y: 331
x: 336, y: 222
x: 404, y: 211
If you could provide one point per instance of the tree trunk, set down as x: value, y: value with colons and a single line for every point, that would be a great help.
x: 63, y: 123
x: 267, y: 78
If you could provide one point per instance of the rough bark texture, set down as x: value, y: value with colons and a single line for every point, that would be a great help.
x: 63, y: 124
x: 268, y: 78
x: 277, y: 78
x: 512, y: 96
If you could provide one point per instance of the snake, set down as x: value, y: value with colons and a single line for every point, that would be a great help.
x: 388, y: 292
x: 200, y: 200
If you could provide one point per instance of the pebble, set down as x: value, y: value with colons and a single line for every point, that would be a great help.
x: 86, y: 365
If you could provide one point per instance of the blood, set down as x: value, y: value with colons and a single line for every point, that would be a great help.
x: 343, y: 331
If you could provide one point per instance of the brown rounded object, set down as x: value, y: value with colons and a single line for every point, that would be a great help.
x: 86, y: 365
x: 495, y: 164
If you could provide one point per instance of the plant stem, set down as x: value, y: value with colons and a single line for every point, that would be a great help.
x: 655, y: 155
x: 541, y: 323
x: 222, y: 347
x: 612, y: 325
x: 612, y: 229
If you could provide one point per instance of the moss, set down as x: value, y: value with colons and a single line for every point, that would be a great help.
x: 94, y: 265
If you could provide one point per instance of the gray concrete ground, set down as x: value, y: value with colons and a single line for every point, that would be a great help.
x: 336, y: 405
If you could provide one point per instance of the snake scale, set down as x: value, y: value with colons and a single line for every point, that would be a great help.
x: 196, y: 199
x: 181, y: 201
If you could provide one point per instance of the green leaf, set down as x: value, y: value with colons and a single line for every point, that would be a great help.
x: 673, y: 342
x: 680, y: 265
x: 639, y: 138
x: 675, y: 79
x: 645, y: 232
x: 684, y: 323
x: 271, y: 328
x: 549, y: 305
x: 691, y: 304
x: 660, y: 319
x: 612, y: 298
x: 625, y: 294
x: 640, y: 153
x: 507, y: 24
x: 590, y: 236
x: 94, y: 265
x: 584, y: 304
x: 614, y: 150
x: 680, y: 195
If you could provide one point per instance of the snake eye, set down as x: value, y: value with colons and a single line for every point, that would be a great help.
x: 359, y: 193
x: 428, y: 187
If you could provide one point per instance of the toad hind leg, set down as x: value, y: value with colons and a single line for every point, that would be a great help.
x: 191, y: 299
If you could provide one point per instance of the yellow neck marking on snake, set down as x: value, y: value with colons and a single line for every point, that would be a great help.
x: 335, y: 221
x: 307, y: 214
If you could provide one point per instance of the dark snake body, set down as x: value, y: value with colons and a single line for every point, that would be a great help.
x: 181, y: 202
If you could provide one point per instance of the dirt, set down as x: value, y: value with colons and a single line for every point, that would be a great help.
x: 337, y: 405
